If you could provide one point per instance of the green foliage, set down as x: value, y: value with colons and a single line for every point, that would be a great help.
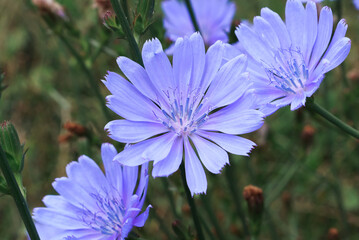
x: 308, y: 187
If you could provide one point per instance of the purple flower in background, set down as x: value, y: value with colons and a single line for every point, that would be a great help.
x: 312, y: 1
x: 92, y: 205
x: 214, y: 18
x: 287, y: 61
x: 170, y: 109
x: 356, y: 3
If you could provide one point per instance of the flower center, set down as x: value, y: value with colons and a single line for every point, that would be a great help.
x: 108, y: 219
x: 289, y: 71
x: 184, y: 115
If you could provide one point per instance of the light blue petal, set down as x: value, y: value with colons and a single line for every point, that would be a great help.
x: 311, y: 88
x: 157, y: 66
x: 213, y: 63
x: 161, y: 148
x: 235, y: 123
x: 278, y: 26
x: 58, y: 218
x: 138, y: 76
x: 254, y: 46
x: 338, y: 53
x: 113, y: 169
x: 128, y: 102
x: 141, y: 219
x: 325, y: 28
x: 339, y: 33
x: 87, y: 174
x: 132, y: 131
x: 295, y: 20
x: 129, y: 181
x: 195, y: 175
x: 74, y: 193
x: 310, y: 33
x: 230, y: 143
x: 171, y: 163
x: 211, y: 155
x: 266, y: 32
x: 229, y: 84
x: 284, y: 101
x: 199, y: 57
x: 182, y: 65
x: 298, y: 101
x: 59, y: 202
x: 132, y: 154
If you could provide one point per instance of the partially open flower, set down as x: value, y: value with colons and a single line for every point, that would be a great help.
x: 104, y: 8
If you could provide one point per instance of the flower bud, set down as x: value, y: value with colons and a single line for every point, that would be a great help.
x: 75, y: 129
x: 353, y: 75
x: 308, y: 133
x: 50, y: 7
x: 104, y: 8
x: 10, y: 143
x: 333, y: 234
x: 254, y: 197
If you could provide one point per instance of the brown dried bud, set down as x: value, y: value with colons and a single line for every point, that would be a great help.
x: 50, y: 7
x: 104, y: 8
x: 64, y: 138
x: 308, y: 133
x: 353, y: 75
x: 75, y: 128
x: 333, y: 234
x: 186, y: 209
x: 254, y: 197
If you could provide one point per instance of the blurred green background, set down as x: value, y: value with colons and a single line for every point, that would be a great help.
x: 309, y: 171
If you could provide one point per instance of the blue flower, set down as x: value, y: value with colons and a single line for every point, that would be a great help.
x: 356, y: 4
x: 196, y: 103
x: 214, y: 18
x: 92, y: 205
x: 287, y: 61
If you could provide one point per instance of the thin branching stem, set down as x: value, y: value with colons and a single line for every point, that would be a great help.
x: 212, y: 216
x: 19, y: 199
x: 127, y: 30
x: 191, y: 204
x: 90, y: 78
x: 236, y: 198
x: 192, y: 15
x: 171, y: 199
x: 313, y: 107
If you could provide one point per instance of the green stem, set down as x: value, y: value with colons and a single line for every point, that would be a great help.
x: 313, y: 107
x: 90, y: 78
x: 127, y: 30
x: 206, y: 228
x: 192, y: 15
x: 170, y: 197
x: 18, y: 197
x: 209, y: 209
x: 236, y: 198
x: 191, y: 204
